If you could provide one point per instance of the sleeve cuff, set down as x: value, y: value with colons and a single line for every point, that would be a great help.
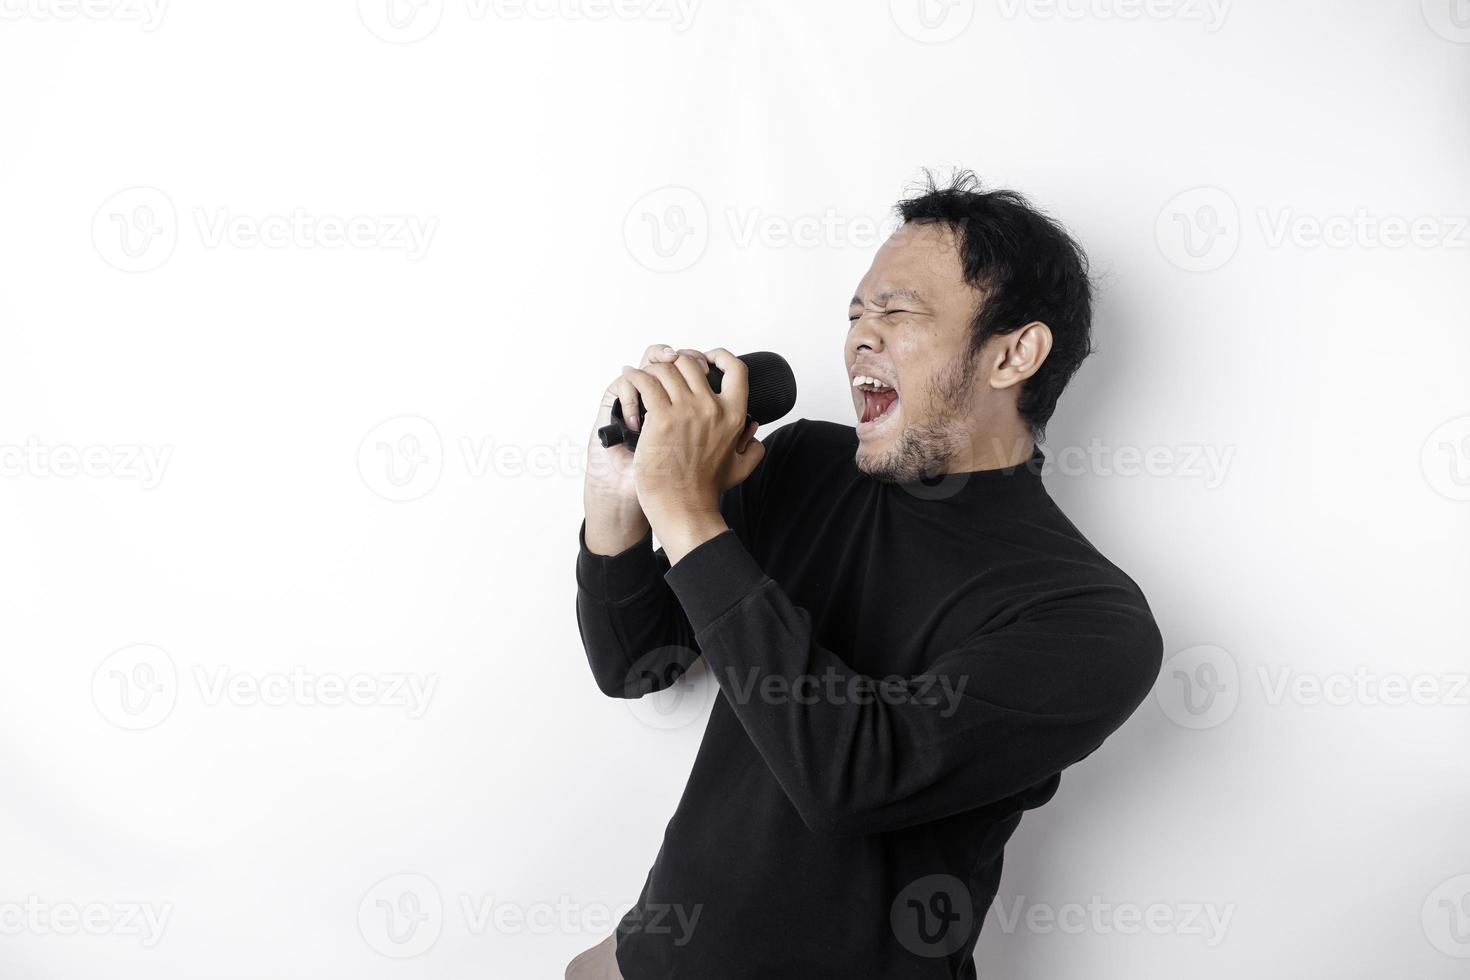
x: 614, y: 578
x: 714, y: 578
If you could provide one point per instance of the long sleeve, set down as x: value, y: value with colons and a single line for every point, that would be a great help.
x: 1002, y: 712
x: 637, y: 637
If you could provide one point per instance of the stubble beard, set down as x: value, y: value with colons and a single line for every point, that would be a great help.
x: 925, y: 449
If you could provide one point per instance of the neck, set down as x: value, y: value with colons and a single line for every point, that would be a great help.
x: 993, y: 448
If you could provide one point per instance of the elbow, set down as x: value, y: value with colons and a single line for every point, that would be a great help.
x: 616, y: 685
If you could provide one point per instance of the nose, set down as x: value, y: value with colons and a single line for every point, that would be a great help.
x: 865, y: 334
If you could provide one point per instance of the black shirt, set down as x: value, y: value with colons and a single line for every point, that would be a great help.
x: 903, y: 669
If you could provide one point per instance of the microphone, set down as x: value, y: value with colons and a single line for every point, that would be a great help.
x: 771, y: 390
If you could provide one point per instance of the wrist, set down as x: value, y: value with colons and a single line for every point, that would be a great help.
x: 610, y: 533
x: 682, y: 532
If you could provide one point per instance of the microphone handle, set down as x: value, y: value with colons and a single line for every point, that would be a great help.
x: 617, y: 432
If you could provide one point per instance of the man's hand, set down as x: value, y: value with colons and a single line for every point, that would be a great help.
x: 693, y: 445
x: 609, y: 495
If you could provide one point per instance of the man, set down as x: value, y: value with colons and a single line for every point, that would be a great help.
x: 910, y: 639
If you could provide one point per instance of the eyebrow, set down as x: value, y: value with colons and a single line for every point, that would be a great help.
x: 882, y: 298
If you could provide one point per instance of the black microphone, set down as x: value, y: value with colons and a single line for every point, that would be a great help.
x: 771, y: 390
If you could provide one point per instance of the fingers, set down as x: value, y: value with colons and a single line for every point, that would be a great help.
x: 650, y: 387
x: 628, y: 396
x: 656, y: 353
x: 675, y: 384
x: 747, y: 436
x: 735, y: 386
x: 624, y: 392
x: 696, y: 375
x: 744, y: 463
x: 698, y: 355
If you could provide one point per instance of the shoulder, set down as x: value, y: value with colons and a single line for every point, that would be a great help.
x: 811, y: 441
x: 811, y: 433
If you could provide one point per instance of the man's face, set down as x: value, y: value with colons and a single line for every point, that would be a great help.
x: 910, y: 329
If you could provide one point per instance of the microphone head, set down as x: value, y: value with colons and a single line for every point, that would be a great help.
x: 771, y: 386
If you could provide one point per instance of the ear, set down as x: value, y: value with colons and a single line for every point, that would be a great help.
x: 1019, y: 354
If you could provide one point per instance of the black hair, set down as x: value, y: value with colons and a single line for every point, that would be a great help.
x: 1028, y: 267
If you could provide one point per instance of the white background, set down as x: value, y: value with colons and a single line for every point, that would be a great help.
x: 367, y: 455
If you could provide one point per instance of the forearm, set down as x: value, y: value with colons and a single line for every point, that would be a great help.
x: 633, y: 629
x: 611, y: 528
x: 857, y: 754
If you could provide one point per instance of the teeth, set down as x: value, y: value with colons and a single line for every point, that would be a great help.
x: 862, y: 379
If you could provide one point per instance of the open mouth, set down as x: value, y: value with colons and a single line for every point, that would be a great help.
x: 880, y: 401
